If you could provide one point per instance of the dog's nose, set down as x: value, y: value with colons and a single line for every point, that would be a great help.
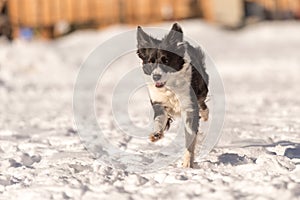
x: 156, y: 77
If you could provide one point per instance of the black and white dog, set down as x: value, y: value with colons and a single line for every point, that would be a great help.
x: 180, y: 84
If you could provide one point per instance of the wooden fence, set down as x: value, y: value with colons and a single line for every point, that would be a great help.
x: 45, y: 14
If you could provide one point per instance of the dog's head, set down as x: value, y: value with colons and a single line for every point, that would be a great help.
x: 161, y: 57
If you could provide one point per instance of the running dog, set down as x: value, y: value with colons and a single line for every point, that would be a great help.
x: 179, y: 84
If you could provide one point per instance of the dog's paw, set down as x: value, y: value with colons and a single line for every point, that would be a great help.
x: 204, y: 114
x: 188, y: 160
x: 156, y: 136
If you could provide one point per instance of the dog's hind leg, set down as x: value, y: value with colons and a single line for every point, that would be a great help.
x: 161, y: 122
x: 191, y: 120
x: 203, y: 111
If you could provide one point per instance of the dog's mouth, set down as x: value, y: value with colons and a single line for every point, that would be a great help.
x: 159, y: 84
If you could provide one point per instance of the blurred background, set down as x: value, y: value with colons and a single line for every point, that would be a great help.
x: 53, y: 18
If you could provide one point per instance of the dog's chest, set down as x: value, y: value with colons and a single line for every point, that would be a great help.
x: 176, y: 94
x: 167, y: 98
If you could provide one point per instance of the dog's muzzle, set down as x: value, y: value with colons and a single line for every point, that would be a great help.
x: 156, y: 78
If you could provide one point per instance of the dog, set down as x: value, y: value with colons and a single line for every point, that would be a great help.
x: 179, y: 84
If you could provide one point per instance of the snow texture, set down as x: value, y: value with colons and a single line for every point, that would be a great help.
x: 257, y: 157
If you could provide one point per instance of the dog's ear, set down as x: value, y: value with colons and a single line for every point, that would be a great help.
x: 143, y: 39
x: 177, y: 28
x: 175, y: 35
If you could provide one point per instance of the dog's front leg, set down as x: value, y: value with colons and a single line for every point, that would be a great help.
x: 191, y: 122
x: 160, y: 121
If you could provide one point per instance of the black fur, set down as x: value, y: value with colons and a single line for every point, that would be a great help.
x: 200, y: 78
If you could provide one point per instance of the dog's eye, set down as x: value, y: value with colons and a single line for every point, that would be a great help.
x: 164, y: 60
x: 152, y: 60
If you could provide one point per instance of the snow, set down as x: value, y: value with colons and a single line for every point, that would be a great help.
x: 257, y: 157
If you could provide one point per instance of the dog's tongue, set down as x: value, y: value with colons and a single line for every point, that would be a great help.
x: 159, y: 84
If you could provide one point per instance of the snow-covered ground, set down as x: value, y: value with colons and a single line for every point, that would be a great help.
x: 257, y: 157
